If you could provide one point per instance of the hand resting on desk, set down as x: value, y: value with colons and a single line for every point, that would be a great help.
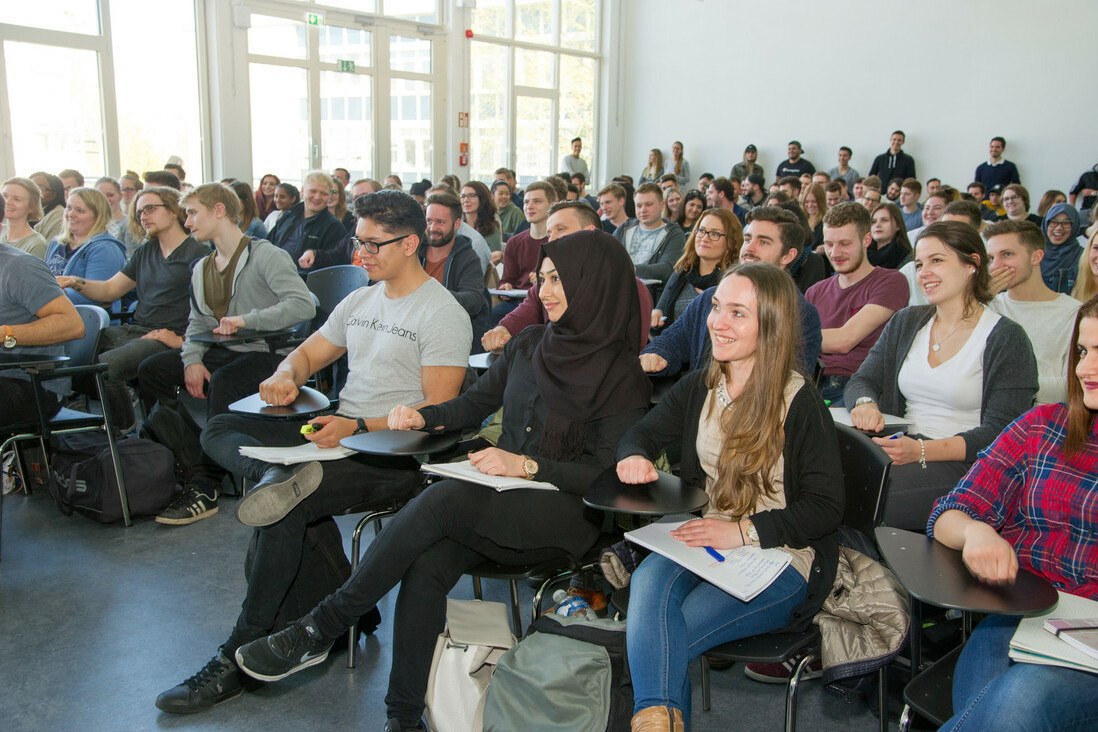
x: 636, y: 469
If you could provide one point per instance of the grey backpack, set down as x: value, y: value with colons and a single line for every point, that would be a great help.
x: 568, y: 673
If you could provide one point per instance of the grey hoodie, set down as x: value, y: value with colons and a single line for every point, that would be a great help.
x: 267, y: 293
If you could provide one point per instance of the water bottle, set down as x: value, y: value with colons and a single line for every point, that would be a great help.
x: 568, y: 605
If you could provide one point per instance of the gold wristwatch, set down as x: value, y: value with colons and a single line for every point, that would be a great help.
x: 529, y: 466
x: 9, y: 337
x: 752, y: 534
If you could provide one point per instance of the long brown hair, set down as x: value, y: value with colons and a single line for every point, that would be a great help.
x: 969, y: 248
x: 754, y: 434
x: 733, y: 234
x: 1080, y: 416
x: 486, y: 208
x: 817, y: 192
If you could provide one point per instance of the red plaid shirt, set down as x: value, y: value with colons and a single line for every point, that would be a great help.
x: 1044, y: 505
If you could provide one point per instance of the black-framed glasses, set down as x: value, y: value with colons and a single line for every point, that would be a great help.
x: 1059, y: 224
x: 700, y: 233
x: 467, y: 196
x: 373, y: 247
x: 149, y: 210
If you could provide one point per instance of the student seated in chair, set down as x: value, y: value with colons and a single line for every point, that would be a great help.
x: 160, y: 270
x: 760, y: 439
x: 1029, y: 502
x: 772, y: 236
x: 35, y: 315
x: 569, y: 390
x: 407, y: 342
x: 955, y: 370
x: 243, y: 283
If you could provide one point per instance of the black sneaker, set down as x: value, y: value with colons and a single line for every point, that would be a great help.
x: 277, y: 493
x: 194, y: 503
x: 218, y: 681
x: 288, y: 651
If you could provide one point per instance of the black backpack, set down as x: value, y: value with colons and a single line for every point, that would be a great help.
x: 567, y: 673
x: 323, y: 570
x: 170, y: 424
x: 82, y: 476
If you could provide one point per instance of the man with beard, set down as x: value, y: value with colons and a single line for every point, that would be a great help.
x: 855, y: 304
x: 160, y: 270
x: 772, y: 236
x: 448, y: 257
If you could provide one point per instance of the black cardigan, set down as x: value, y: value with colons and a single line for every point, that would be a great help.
x: 545, y: 518
x: 813, y: 478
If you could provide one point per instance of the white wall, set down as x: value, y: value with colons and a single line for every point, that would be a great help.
x: 719, y: 74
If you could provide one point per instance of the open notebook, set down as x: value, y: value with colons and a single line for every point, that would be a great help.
x: 306, y: 453
x: 464, y: 470
x: 744, y: 573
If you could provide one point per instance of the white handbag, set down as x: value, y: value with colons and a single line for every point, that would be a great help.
x: 477, y: 634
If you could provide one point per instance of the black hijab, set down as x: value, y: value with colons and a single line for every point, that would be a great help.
x: 586, y: 364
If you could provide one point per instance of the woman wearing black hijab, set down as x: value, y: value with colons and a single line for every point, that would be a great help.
x: 569, y: 390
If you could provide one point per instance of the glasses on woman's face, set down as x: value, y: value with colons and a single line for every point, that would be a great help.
x: 373, y: 247
x: 467, y: 196
x: 711, y: 234
x: 149, y: 210
x: 1059, y: 224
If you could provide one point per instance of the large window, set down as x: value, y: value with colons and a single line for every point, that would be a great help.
x: 534, y: 70
x: 354, y: 92
x: 67, y: 107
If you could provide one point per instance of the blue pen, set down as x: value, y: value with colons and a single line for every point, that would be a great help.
x: 894, y: 436
x: 714, y: 553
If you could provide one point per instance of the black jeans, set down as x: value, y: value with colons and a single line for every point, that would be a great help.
x: 278, y: 553
x: 426, y: 547
x: 233, y: 375
x: 17, y: 403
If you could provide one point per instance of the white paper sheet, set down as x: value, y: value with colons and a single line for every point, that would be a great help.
x: 744, y: 573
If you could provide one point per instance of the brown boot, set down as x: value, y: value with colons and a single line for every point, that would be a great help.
x: 657, y: 719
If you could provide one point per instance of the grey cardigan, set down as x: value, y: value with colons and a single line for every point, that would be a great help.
x: 1010, y: 374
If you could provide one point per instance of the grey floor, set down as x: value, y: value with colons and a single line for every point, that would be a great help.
x: 97, y: 620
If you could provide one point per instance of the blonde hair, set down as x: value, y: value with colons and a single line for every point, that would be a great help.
x: 1086, y: 286
x: 34, y: 212
x: 651, y: 170
x: 754, y: 434
x: 319, y: 176
x: 211, y: 194
x: 99, y: 206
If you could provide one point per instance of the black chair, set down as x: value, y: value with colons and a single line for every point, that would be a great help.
x: 329, y: 286
x: 79, y: 353
x: 936, y: 575
x: 865, y: 475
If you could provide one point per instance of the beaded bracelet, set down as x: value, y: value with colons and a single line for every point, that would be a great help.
x: 922, y: 454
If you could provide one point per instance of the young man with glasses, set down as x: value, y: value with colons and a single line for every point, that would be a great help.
x: 160, y: 271
x: 242, y: 284
x: 407, y: 343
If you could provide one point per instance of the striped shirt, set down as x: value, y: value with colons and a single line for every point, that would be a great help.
x: 1045, y: 506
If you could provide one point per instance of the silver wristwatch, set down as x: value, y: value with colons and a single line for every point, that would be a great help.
x: 864, y: 400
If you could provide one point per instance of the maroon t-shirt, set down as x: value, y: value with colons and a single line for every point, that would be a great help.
x: 520, y: 258
x: 884, y: 287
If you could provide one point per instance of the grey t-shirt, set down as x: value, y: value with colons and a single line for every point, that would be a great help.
x: 643, y: 243
x: 26, y: 286
x: 33, y: 243
x: 388, y: 341
x: 163, y: 285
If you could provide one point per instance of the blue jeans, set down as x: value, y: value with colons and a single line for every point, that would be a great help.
x: 832, y: 388
x: 675, y: 616
x: 992, y: 692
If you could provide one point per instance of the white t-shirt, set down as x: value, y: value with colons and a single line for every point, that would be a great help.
x: 915, y: 294
x: 945, y: 400
x: 388, y: 341
x: 1048, y: 325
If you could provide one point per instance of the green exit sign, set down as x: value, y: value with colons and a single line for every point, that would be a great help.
x: 314, y: 18
x: 347, y: 66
